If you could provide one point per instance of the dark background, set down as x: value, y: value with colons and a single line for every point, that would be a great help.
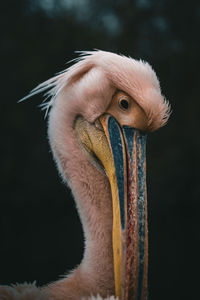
x: 40, y: 233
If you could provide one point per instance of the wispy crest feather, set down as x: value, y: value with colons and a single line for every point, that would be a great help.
x: 135, y: 77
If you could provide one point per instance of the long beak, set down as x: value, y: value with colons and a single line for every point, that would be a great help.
x: 121, y: 150
x: 130, y: 242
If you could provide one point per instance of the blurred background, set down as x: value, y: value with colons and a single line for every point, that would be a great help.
x: 40, y: 232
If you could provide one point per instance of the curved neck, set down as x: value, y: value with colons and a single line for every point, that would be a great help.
x: 92, y: 195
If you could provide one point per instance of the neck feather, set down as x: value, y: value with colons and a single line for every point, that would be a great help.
x: 92, y: 195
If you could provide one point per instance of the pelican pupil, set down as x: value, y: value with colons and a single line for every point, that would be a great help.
x: 124, y: 104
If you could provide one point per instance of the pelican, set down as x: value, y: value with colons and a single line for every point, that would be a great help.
x: 100, y: 110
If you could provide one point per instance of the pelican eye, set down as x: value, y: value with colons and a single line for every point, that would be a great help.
x: 124, y: 104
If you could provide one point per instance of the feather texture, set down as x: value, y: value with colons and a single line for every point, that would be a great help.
x: 135, y: 77
x: 25, y: 291
x: 29, y: 291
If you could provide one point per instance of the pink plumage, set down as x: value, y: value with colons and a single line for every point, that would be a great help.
x: 86, y: 89
x: 135, y: 77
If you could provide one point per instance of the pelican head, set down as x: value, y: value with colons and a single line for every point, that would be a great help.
x: 101, y: 109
